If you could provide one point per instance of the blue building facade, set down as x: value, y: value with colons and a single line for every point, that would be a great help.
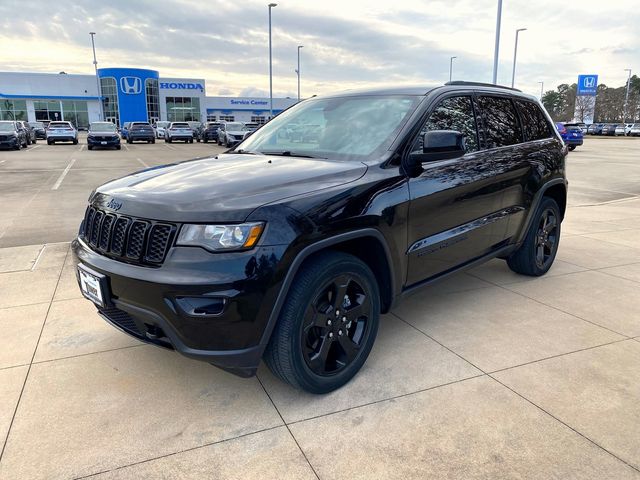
x: 130, y: 94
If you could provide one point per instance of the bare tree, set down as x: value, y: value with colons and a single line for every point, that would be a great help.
x: 584, y: 104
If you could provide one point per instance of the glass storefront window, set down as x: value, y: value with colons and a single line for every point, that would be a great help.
x: 76, y: 112
x: 183, y: 109
x: 109, y: 92
x: 47, y: 110
x: 153, y: 99
x: 13, y: 109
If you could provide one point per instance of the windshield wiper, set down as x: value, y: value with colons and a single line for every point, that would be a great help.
x: 289, y: 153
x: 245, y: 152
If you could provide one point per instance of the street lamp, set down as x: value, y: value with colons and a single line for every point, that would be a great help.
x: 541, y: 89
x: 298, y: 70
x: 451, y: 67
x: 271, y: 5
x: 497, y: 50
x: 95, y: 65
x: 515, y: 54
x: 626, y: 96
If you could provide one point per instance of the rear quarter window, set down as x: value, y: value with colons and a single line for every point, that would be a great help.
x: 502, y: 127
x: 534, y: 122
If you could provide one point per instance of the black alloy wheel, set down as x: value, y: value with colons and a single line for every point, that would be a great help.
x: 540, y: 246
x: 335, y: 325
x: 327, y: 324
x: 546, y: 237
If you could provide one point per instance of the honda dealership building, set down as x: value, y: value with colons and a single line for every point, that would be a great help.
x: 128, y: 94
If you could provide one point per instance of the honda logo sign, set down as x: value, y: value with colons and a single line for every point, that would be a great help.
x: 131, y: 85
x: 587, y: 85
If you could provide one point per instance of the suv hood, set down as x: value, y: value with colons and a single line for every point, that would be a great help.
x: 222, y: 189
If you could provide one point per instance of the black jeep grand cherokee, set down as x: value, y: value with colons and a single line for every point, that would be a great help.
x: 289, y: 251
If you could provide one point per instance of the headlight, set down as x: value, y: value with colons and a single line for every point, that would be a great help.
x: 221, y: 237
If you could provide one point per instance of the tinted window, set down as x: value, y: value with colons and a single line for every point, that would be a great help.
x: 454, y: 113
x: 534, y: 123
x: 500, y: 121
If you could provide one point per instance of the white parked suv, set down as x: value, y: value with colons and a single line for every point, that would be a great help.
x: 61, y: 132
x: 160, y: 128
x: 178, y: 131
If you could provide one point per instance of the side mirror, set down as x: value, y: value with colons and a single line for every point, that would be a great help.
x: 440, y: 145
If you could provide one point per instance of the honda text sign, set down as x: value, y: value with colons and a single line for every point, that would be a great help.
x: 587, y: 84
x: 131, y: 85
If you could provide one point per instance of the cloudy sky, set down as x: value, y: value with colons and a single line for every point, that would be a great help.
x: 347, y: 43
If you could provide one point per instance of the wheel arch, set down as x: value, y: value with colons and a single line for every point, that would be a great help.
x: 369, y: 245
x: 556, y: 189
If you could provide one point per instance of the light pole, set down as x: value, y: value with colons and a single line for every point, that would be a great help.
x: 95, y: 64
x: 497, y: 50
x: 626, y: 96
x: 298, y: 70
x: 271, y: 5
x: 541, y: 89
x: 515, y: 55
x: 451, y: 68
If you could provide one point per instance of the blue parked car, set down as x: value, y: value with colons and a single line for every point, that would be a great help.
x: 571, y: 134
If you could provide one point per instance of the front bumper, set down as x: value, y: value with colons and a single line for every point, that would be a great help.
x: 149, y: 303
x: 98, y: 141
x: 10, y: 142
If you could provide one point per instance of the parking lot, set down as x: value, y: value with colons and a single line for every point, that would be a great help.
x: 485, y: 375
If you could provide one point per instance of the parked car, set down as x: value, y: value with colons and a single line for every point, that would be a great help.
x: 597, y: 129
x: 103, y: 135
x: 178, y: 131
x: 634, y: 131
x: 160, y: 127
x: 141, y: 131
x: 620, y: 130
x: 197, y: 128
x: 38, y: 127
x: 609, y: 129
x: 61, y: 132
x: 29, y: 132
x: 11, y: 135
x: 571, y: 134
x: 210, y: 132
x: 290, y: 252
x: 231, y: 133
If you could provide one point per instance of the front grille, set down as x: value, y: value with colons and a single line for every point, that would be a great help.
x: 3, y: 138
x: 132, y: 240
x: 122, y: 319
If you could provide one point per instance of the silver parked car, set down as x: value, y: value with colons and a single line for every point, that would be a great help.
x: 634, y: 131
x: 160, y: 128
x: 61, y: 132
x: 232, y: 133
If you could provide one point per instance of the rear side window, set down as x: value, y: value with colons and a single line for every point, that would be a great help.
x: 453, y: 113
x: 534, y: 123
x: 500, y: 122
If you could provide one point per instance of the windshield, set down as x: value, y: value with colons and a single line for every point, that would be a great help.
x: 59, y: 125
x: 162, y: 124
x: 36, y: 124
x: 180, y: 125
x: 234, y: 127
x: 102, y: 127
x: 350, y: 128
x: 6, y: 127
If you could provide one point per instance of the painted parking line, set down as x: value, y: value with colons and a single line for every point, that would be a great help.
x: 34, y: 147
x: 81, y: 147
x: 142, y: 163
x: 63, y: 174
x: 125, y: 147
x: 171, y: 147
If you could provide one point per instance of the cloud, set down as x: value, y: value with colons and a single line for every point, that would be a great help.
x: 346, y: 44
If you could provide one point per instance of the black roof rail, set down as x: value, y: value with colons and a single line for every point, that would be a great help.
x: 480, y: 84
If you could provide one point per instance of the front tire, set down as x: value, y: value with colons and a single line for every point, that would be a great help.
x: 572, y: 148
x: 536, y: 255
x: 327, y: 325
